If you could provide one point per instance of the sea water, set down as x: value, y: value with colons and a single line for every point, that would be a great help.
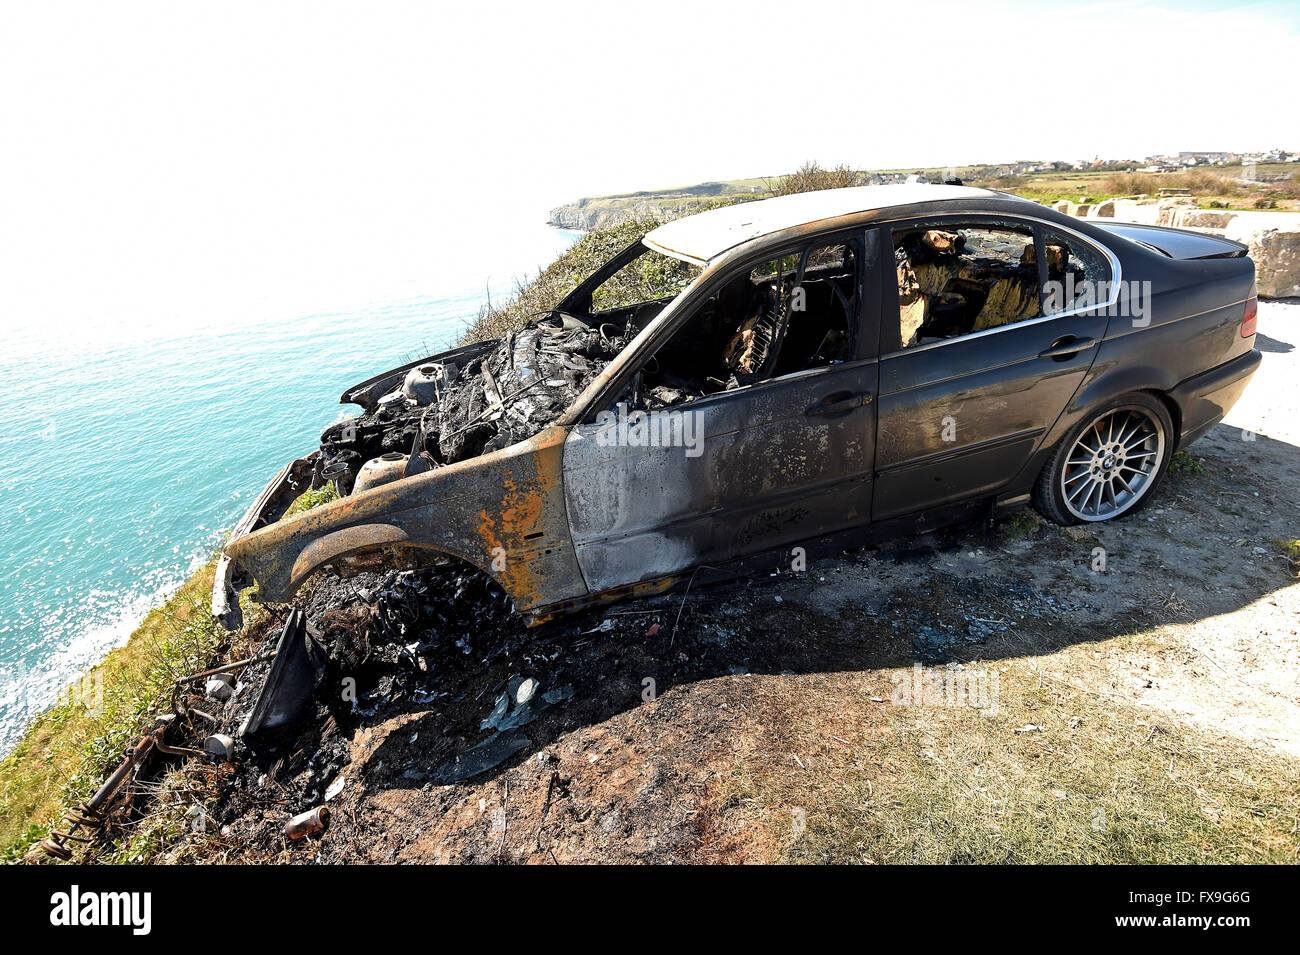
x: 128, y: 456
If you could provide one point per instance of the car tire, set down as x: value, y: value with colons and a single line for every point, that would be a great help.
x: 1110, y: 464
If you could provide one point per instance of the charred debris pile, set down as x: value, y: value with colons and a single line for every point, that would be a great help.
x: 357, y: 652
x: 271, y: 738
x: 273, y: 730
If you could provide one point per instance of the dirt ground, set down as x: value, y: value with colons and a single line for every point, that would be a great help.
x: 674, y: 726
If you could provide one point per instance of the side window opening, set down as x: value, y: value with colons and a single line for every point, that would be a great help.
x: 770, y: 320
x: 1077, y: 274
x: 627, y: 293
x: 649, y: 279
x: 955, y: 279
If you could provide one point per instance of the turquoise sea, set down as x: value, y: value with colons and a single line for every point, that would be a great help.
x: 131, y: 455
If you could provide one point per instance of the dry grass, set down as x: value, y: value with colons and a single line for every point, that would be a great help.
x: 1197, y: 181
x: 1099, y: 782
x: 534, y: 299
x: 811, y: 177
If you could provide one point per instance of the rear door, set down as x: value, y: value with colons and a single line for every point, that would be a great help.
x: 974, y: 370
x: 732, y: 473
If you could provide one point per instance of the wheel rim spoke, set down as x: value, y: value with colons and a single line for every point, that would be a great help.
x: 1125, y: 436
x: 1094, y: 490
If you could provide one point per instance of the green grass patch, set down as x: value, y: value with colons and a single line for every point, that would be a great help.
x: 1018, y: 526
x: 1184, y: 463
x: 309, y: 499
x: 71, y: 747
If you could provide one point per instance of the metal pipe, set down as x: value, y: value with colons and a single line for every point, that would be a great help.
x: 305, y: 823
x: 87, y: 816
x: 224, y: 668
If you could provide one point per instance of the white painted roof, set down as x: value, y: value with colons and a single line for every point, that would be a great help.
x: 706, y: 235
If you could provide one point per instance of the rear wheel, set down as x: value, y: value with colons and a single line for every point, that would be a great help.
x: 1109, y: 465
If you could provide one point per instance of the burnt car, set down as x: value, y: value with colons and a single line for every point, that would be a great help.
x: 775, y: 372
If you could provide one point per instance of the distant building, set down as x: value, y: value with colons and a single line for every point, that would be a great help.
x: 1206, y: 158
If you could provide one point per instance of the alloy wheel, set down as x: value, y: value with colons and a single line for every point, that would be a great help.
x: 1113, y: 464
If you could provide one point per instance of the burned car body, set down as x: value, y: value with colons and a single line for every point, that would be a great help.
x: 770, y: 373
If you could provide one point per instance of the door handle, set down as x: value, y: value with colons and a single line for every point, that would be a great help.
x: 1067, y: 346
x: 840, y: 402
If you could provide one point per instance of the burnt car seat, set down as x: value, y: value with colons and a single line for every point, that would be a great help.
x: 1013, y: 297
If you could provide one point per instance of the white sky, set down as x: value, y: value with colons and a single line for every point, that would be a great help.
x: 175, y: 162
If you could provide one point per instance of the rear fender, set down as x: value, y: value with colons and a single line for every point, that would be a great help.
x: 1106, y: 381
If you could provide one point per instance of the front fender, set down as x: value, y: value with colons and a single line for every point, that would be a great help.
x: 503, y: 513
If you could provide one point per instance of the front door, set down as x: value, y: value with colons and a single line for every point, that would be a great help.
x: 774, y: 442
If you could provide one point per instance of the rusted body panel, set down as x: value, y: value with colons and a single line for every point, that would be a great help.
x: 503, y: 513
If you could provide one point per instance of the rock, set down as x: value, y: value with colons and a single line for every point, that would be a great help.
x: 1272, y: 237
x: 1277, y: 262
x: 1205, y: 219
x: 1170, y: 212
x: 219, y: 745
x: 219, y: 687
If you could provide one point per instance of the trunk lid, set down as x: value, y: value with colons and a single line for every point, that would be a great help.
x: 1175, y: 243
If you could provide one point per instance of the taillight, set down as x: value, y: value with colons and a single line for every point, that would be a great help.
x: 1250, y: 315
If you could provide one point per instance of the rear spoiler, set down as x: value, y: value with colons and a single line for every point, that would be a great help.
x: 1175, y: 243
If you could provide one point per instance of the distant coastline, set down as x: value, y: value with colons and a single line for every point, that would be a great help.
x: 1264, y: 185
x: 601, y: 212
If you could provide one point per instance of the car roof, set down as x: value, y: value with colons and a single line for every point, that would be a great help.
x: 706, y: 235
